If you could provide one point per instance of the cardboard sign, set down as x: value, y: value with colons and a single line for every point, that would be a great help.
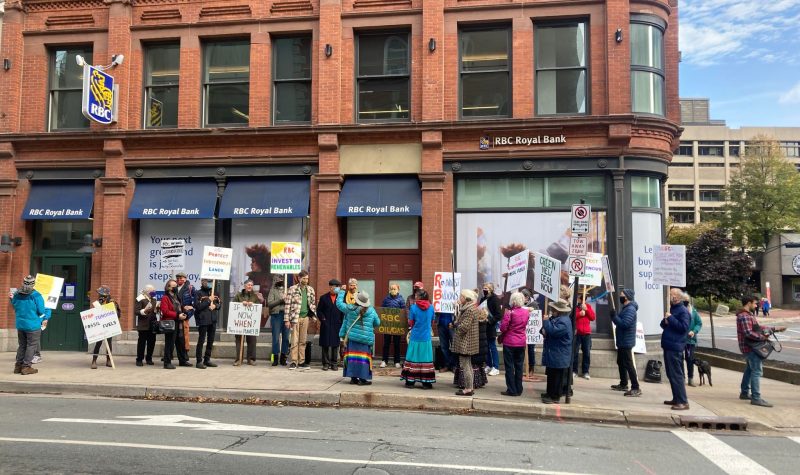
x: 172, y: 254
x: 244, y: 319
x: 578, y: 246
x: 285, y: 257
x: 547, y: 276
x: 532, y: 331
x: 576, y: 266
x: 216, y: 263
x: 581, y: 219
x: 640, y: 346
x: 50, y: 288
x: 517, y: 270
x: 669, y: 265
x: 607, y: 274
x: 394, y: 321
x: 446, y: 289
x: 100, y: 323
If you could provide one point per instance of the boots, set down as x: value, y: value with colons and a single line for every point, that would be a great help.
x: 283, y: 359
x: 28, y: 370
x: 209, y: 363
x: 108, y: 361
x: 94, y: 362
x: 276, y: 359
x: 17, y: 368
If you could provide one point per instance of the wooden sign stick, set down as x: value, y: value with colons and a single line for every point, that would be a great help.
x: 108, y: 352
x: 213, y: 286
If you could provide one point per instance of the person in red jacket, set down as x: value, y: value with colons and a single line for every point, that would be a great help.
x: 170, y: 310
x: 584, y: 315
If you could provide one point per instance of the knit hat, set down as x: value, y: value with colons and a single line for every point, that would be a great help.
x: 629, y: 294
x: 104, y: 291
x: 362, y: 299
x: 27, y: 285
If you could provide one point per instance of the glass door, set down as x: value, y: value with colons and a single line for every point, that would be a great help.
x: 65, y: 331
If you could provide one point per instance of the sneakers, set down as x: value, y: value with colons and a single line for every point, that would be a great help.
x: 619, y: 387
x: 237, y: 363
x: 744, y: 396
x: 586, y: 376
x: 305, y: 366
x: 494, y: 372
x: 383, y: 364
x: 398, y: 365
x: 487, y: 369
x: 633, y: 393
x: 28, y: 370
x: 36, y: 359
x: 200, y: 365
x: 755, y: 402
x: 293, y: 366
x: 210, y: 364
x: 574, y: 376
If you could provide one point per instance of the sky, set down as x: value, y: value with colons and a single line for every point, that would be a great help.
x: 744, y: 55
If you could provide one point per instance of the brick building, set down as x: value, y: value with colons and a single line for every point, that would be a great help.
x: 382, y: 134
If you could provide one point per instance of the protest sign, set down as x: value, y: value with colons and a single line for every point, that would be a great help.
x: 532, y: 331
x: 394, y: 321
x: 547, y: 276
x: 640, y: 346
x: 446, y: 289
x: 100, y: 323
x: 285, y: 257
x: 669, y: 265
x: 172, y: 254
x: 244, y: 319
x: 517, y: 270
x: 50, y: 288
x: 593, y: 272
x: 607, y: 274
x: 216, y: 263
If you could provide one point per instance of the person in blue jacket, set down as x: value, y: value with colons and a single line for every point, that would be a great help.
x: 557, y: 331
x: 31, y: 318
x: 358, y: 331
x: 673, y: 342
x: 625, y: 338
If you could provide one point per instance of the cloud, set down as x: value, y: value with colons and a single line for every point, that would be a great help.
x: 792, y: 96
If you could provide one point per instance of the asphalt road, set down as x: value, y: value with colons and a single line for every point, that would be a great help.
x: 725, y: 333
x: 44, y: 434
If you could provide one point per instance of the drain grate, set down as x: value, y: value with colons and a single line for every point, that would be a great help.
x: 714, y: 423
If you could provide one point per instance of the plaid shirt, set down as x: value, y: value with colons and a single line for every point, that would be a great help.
x: 747, y: 328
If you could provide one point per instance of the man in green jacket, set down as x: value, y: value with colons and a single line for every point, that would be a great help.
x: 695, y: 324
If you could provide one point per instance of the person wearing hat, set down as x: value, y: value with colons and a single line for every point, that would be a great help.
x: 104, y: 297
x: 301, y: 301
x: 412, y: 298
x: 330, y: 322
x: 557, y: 331
x: 247, y: 297
x: 145, y: 317
x: 358, y: 336
x: 206, y: 315
x: 31, y: 318
x: 625, y: 337
x: 276, y: 303
x: 187, y: 296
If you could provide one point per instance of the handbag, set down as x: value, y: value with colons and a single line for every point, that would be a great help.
x: 166, y: 326
x: 765, y: 348
x: 652, y: 373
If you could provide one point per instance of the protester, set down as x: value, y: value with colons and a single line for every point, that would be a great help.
x: 410, y: 300
x: 276, y: 303
x: 358, y: 336
x: 465, y: 341
x: 695, y: 325
x: 765, y: 306
x: 330, y: 322
x: 171, y: 310
x: 31, y: 318
x: 557, y: 331
x: 584, y: 315
x: 479, y: 376
x: 352, y: 291
x: 495, y: 313
x: 247, y: 297
x: 673, y: 342
x: 187, y: 296
x: 749, y: 333
x: 145, y: 312
x: 418, y: 366
x: 302, y: 308
x: 625, y: 338
x: 393, y: 300
x: 104, y: 297
x: 531, y: 304
x: 513, y: 335
x: 206, y: 315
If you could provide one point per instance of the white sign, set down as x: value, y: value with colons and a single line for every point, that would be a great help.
x: 244, y: 319
x: 532, y: 331
x: 445, y: 291
x: 669, y: 265
x: 517, y: 270
x: 640, y: 346
x: 100, y: 323
x: 578, y: 245
x: 173, y: 252
x: 576, y: 266
x: 581, y: 219
x: 547, y: 276
x: 216, y: 263
x: 50, y: 288
x: 607, y: 274
x: 593, y: 273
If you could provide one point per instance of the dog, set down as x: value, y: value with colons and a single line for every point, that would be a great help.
x: 704, y: 369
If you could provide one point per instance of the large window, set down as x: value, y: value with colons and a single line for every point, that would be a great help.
x: 710, y: 149
x: 382, y: 76
x: 226, y: 83
x: 485, y: 67
x: 680, y: 193
x: 734, y: 149
x: 647, y: 65
x: 292, y: 79
x: 561, y: 69
x: 162, y: 65
x: 66, y: 88
x: 686, y: 149
x: 386, y: 232
x: 529, y: 192
x: 682, y: 215
x: 645, y: 192
x: 711, y: 193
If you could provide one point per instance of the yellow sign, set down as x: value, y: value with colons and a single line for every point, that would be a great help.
x: 394, y: 321
x: 50, y: 288
x: 156, y: 112
x: 285, y: 257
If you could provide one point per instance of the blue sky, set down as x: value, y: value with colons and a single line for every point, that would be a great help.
x: 745, y: 56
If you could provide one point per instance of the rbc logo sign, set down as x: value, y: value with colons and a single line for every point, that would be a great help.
x: 98, y: 95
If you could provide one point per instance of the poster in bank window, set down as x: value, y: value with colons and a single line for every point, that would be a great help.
x: 195, y: 233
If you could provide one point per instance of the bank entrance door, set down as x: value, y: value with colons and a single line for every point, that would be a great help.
x: 64, y: 331
x: 376, y: 271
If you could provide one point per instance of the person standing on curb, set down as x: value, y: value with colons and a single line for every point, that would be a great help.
x: 418, y: 365
x: 358, y: 337
x: 145, y: 311
x: 495, y: 313
x: 465, y: 340
x: 247, y: 297
x: 531, y: 304
x: 513, y: 335
x: 695, y: 324
x: 187, y: 296
x: 625, y: 338
x: 31, y: 318
x: 673, y: 342
x: 104, y: 297
x: 557, y: 332
x: 584, y: 316
x: 206, y: 316
x: 393, y: 300
x: 277, y: 312
x: 748, y: 333
x: 302, y: 308
x: 170, y: 310
x: 330, y: 322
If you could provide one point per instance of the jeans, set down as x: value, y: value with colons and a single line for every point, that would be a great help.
x: 28, y: 344
x: 147, y: 339
x: 584, y: 344
x: 492, y: 356
x: 689, y: 357
x: 445, y: 338
x: 673, y: 363
x: 387, y: 341
x: 280, y: 334
x: 513, y: 359
x: 751, y: 379
x: 206, y: 335
x: 627, y: 368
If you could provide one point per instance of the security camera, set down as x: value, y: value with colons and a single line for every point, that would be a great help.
x: 117, y: 59
x: 79, y: 59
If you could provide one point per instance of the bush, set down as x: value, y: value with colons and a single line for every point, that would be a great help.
x: 702, y: 304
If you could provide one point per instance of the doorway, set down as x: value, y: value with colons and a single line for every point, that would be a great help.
x: 65, y: 331
x: 375, y: 272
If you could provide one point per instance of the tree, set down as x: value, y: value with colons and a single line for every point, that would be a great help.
x: 677, y: 234
x: 763, y: 197
x: 715, y: 271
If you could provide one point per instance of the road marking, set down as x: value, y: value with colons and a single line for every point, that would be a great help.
x: 176, y: 421
x: 796, y: 439
x: 724, y: 456
x: 239, y: 453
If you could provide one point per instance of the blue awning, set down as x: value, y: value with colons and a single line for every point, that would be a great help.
x: 265, y: 198
x: 384, y: 196
x: 59, y: 200
x: 174, y: 199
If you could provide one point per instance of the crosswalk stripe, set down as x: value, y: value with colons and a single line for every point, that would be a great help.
x: 722, y: 455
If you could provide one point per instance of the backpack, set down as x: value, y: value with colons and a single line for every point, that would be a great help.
x: 652, y: 373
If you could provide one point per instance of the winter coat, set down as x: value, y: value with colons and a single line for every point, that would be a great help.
x: 145, y: 318
x: 495, y: 311
x: 466, y: 334
x: 360, y: 330
x: 203, y: 315
x: 275, y: 302
x: 187, y: 295
x: 394, y: 302
x: 625, y: 323
x: 294, y: 299
x: 675, y: 328
x: 330, y: 320
x: 513, y: 327
x: 583, y: 319
x: 557, y: 342
x: 420, y: 318
x: 168, y: 311
x: 695, y: 325
x: 30, y: 311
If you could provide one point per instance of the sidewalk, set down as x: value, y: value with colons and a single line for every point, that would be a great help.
x: 69, y: 373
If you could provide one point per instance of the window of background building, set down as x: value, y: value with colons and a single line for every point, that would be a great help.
x: 680, y: 193
x: 681, y: 164
x: 647, y: 65
x: 734, y: 149
x: 485, y: 66
x: 383, y: 74
x: 681, y: 215
x: 713, y: 164
x: 790, y: 149
x: 710, y: 149
x: 561, y: 75
x: 226, y: 83
x: 526, y: 192
x: 686, y: 149
x: 291, y: 91
x: 645, y: 192
x: 162, y: 63
x: 711, y: 214
x: 711, y: 193
x: 66, y: 88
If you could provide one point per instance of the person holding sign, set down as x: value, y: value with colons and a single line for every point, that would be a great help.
x: 300, y: 300
x: 31, y: 318
x: 247, y: 297
x: 673, y: 342
x: 280, y: 334
x: 170, y: 310
x: 418, y: 366
x: 584, y: 316
x: 393, y: 300
x: 206, y: 313
x: 495, y: 313
x: 145, y: 311
x: 513, y: 338
x: 187, y: 296
x: 695, y: 326
x: 625, y: 333
x: 557, y: 331
x: 358, y: 337
x: 103, y: 297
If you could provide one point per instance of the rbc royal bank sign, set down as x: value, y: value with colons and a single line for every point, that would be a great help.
x: 99, y: 96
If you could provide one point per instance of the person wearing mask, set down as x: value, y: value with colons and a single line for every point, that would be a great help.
x: 276, y: 301
x: 145, y: 314
x: 584, y: 316
x: 393, y: 300
x: 187, y: 296
x: 479, y: 376
x: 171, y: 310
x: 514, y: 337
x: 247, y: 297
x: 206, y: 315
x: 302, y: 308
x: 104, y: 297
x: 465, y: 339
x: 411, y: 298
x: 695, y: 325
x: 330, y: 322
x: 418, y: 367
x: 495, y: 314
x: 748, y: 333
x: 625, y: 337
x: 358, y: 336
x: 673, y: 341
x: 557, y: 332
x: 31, y: 318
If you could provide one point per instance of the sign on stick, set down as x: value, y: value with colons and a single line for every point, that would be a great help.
x: 446, y: 288
x: 216, y: 263
x: 547, y: 276
x: 286, y: 257
x: 244, y: 319
x: 100, y: 323
x: 669, y: 265
x: 517, y: 270
x: 532, y: 331
x: 172, y: 254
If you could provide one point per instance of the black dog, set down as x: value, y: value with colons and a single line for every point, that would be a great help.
x: 704, y: 369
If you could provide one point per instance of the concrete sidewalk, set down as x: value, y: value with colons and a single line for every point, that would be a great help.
x: 69, y: 373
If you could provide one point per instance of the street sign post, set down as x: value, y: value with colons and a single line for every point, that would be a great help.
x: 578, y: 246
x: 576, y: 266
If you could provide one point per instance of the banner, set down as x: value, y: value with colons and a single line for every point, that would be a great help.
x: 517, y: 270
x: 216, y: 263
x: 445, y: 291
x: 50, y: 288
x: 532, y: 331
x: 173, y: 253
x: 244, y: 319
x: 394, y: 321
x: 286, y: 257
x: 547, y: 276
x: 669, y: 265
x: 100, y: 323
